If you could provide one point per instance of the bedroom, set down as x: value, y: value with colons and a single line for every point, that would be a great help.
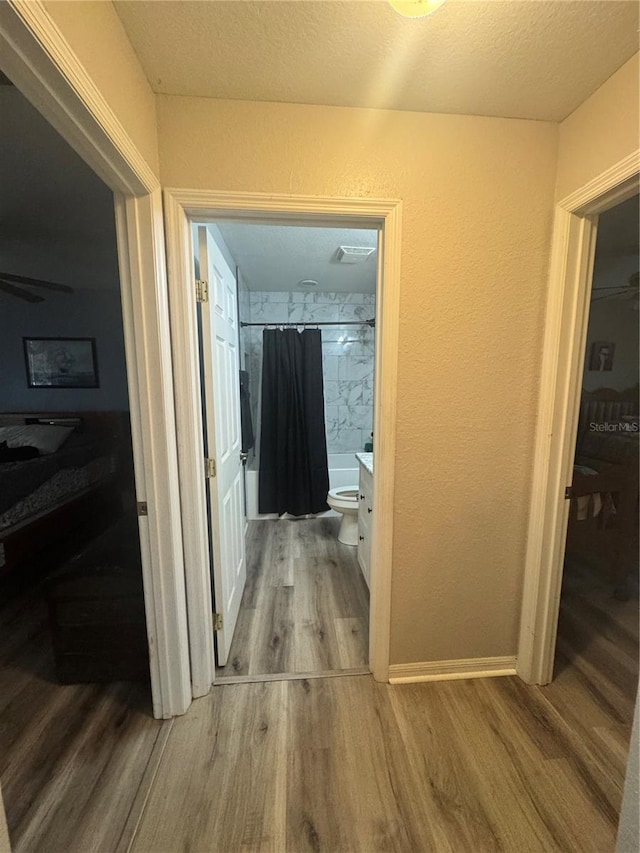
x: 63, y: 391
x: 599, y: 600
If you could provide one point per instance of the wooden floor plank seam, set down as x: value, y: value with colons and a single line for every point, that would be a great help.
x: 301, y: 584
x: 325, y: 762
x: 125, y: 842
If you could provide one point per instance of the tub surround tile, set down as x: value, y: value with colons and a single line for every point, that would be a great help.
x: 355, y: 417
x: 366, y: 388
x: 332, y: 393
x: 348, y: 393
x: 269, y: 312
x: 276, y: 296
x: 344, y: 440
x: 355, y: 368
x: 333, y: 348
x: 357, y: 349
x: 348, y: 356
x: 344, y: 335
x: 330, y: 367
x: 341, y: 298
x: 308, y: 297
x: 353, y: 392
x: 332, y: 417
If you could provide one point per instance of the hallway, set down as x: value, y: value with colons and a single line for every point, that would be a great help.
x: 305, y: 607
x: 475, y: 766
x: 334, y: 764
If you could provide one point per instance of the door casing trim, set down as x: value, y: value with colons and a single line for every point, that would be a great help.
x: 183, y: 206
x: 568, y: 300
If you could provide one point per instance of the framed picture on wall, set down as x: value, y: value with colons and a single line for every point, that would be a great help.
x: 601, y: 355
x: 61, y: 362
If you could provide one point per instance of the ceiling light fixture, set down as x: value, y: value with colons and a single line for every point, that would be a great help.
x: 415, y: 8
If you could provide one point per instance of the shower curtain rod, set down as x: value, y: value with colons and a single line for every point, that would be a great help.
x: 371, y: 323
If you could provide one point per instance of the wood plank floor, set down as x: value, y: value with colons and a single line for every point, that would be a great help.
x: 72, y: 757
x: 305, y: 606
x: 336, y: 764
x: 347, y: 764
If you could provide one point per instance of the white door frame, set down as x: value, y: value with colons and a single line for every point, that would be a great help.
x: 568, y: 302
x: 44, y: 68
x: 184, y: 206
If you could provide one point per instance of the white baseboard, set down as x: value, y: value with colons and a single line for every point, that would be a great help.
x: 447, y: 670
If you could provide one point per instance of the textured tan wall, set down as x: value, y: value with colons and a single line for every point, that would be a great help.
x: 96, y: 35
x: 478, y: 199
x: 478, y: 202
x: 602, y: 131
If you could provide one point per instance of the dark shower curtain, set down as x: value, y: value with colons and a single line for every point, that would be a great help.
x: 294, y: 476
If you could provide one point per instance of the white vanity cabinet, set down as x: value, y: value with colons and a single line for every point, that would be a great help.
x: 365, y: 515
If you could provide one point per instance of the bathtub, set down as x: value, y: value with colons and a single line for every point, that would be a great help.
x: 343, y: 471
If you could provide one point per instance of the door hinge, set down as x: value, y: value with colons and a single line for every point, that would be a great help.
x: 202, y: 290
x: 568, y: 493
x: 210, y: 468
x: 142, y: 508
x: 217, y: 621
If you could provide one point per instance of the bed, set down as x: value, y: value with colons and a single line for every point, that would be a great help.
x: 46, y: 498
x: 603, y: 513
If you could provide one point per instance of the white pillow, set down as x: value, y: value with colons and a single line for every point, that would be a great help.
x: 47, y: 439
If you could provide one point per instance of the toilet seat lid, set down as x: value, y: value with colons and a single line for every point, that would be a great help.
x: 345, y: 493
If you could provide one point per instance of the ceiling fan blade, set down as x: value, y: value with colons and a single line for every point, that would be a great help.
x: 617, y: 287
x: 21, y: 294
x: 621, y: 294
x: 607, y: 296
x: 35, y: 282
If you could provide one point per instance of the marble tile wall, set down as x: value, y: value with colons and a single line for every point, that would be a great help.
x: 348, y: 358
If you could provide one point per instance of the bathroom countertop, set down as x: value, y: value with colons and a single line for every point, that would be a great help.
x: 366, y: 460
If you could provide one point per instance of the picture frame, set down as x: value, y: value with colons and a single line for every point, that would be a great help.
x: 61, y: 362
x: 601, y: 358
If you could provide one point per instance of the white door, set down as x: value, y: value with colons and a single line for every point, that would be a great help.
x: 223, y: 436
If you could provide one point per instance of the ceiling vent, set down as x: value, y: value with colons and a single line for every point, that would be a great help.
x: 353, y: 254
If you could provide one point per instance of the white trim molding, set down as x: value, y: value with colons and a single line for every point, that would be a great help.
x: 186, y: 378
x: 451, y: 670
x: 43, y: 66
x: 613, y: 186
x: 567, y: 316
x: 140, y: 234
x: 184, y: 206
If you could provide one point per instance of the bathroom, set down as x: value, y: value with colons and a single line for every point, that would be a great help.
x: 305, y: 606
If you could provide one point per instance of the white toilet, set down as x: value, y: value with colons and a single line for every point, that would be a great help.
x: 344, y: 499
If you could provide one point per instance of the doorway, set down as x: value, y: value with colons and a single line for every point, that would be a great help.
x: 38, y: 60
x: 290, y: 313
x: 571, y: 273
x: 73, y: 640
x: 182, y: 208
x: 599, y: 612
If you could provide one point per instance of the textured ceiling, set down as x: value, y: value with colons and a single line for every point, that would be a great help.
x: 277, y: 257
x: 536, y: 59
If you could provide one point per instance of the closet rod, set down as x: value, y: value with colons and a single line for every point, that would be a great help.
x: 292, y: 323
